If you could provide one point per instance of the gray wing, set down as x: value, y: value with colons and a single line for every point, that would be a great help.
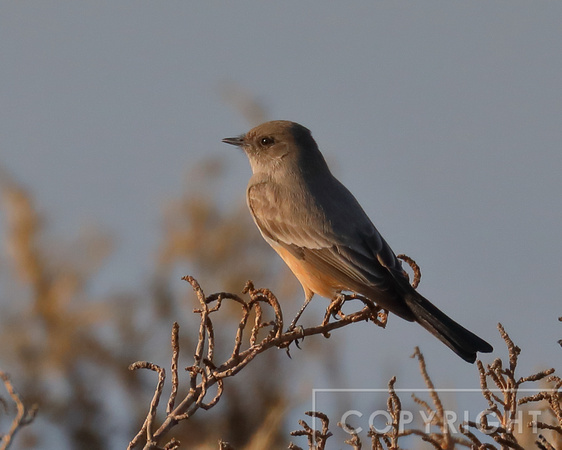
x: 348, y: 248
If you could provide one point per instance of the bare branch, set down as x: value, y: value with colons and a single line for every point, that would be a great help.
x: 415, y: 268
x: 24, y: 415
x: 205, y: 373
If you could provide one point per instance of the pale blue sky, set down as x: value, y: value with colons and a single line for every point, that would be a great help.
x: 443, y: 118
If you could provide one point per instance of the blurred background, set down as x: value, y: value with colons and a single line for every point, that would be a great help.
x: 444, y: 120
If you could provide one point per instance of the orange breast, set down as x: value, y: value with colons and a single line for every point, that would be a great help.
x: 312, y: 279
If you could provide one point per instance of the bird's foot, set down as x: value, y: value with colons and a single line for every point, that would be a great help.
x: 334, y: 309
x: 300, y: 330
x: 293, y: 326
x: 299, y: 314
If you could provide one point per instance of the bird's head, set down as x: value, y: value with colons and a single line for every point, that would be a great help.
x: 278, y: 145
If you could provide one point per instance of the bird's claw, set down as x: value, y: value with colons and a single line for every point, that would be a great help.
x: 300, y: 330
x: 334, y: 309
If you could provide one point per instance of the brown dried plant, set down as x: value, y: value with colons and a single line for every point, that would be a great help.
x: 57, y: 288
x: 24, y: 415
x: 381, y: 441
x: 317, y: 437
x: 52, y: 328
x: 49, y: 323
x: 503, y: 404
x: 443, y: 439
x: 206, y: 372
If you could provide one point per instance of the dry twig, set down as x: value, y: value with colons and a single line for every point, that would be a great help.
x: 206, y: 372
x: 415, y: 268
x: 505, y: 406
x: 206, y: 375
x: 443, y: 439
x: 316, y: 438
x: 389, y: 440
x: 24, y: 415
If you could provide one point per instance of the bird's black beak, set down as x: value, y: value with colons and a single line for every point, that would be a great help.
x: 238, y: 141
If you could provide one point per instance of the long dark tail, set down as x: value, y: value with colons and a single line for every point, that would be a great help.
x: 463, y: 342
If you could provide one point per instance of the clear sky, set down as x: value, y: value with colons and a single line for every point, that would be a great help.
x: 443, y: 118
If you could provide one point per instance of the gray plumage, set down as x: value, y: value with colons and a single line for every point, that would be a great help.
x: 320, y: 229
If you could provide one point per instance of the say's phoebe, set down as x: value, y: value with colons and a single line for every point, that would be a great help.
x: 319, y: 229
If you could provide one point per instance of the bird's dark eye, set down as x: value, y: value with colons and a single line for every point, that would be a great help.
x: 266, y: 141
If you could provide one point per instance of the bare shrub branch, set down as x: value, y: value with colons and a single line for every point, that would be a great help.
x: 206, y: 372
x: 504, y: 407
x: 24, y: 415
x: 261, y: 327
x: 415, y: 268
x: 316, y: 438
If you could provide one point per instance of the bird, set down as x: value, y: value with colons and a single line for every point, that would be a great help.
x: 325, y: 237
